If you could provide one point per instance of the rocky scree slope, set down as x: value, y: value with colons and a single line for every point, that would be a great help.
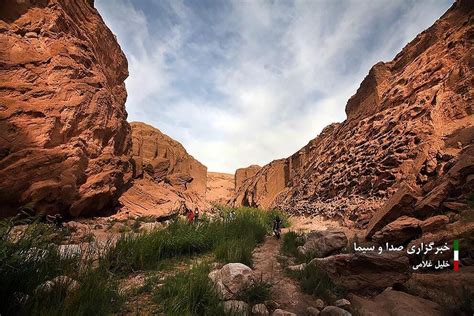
x: 409, y: 123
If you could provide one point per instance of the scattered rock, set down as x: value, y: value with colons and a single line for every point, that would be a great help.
x: 342, y: 303
x: 395, y: 303
x: 271, y: 304
x: 323, y: 242
x: 312, y: 311
x: 298, y: 267
x: 334, y: 311
x: 280, y: 312
x: 260, y: 310
x: 232, y: 279
x: 434, y: 223
x: 319, y: 304
x: 236, y: 307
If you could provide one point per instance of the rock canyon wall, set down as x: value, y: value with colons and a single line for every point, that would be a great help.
x: 409, y: 128
x: 220, y: 187
x: 165, y: 174
x: 64, y: 140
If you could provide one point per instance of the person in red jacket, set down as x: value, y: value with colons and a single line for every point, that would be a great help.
x: 190, y: 216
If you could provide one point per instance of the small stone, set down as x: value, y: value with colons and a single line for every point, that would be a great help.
x: 312, y: 311
x: 236, y: 307
x: 298, y: 267
x: 260, y: 310
x: 271, y: 304
x: 342, y: 303
x: 334, y: 311
x: 319, y: 304
x: 31, y: 35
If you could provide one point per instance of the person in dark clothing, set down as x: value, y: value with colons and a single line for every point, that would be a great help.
x: 196, y: 215
x: 277, y: 223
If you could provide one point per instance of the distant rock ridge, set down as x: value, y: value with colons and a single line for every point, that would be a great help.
x: 65, y: 144
x: 410, y: 122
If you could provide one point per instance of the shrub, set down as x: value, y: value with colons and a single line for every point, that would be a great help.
x: 291, y: 242
x: 316, y: 282
x: 257, y: 293
x: 230, y: 240
x: 29, y: 258
x: 189, y: 293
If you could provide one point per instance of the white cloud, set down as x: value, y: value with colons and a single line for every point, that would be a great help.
x: 244, y: 82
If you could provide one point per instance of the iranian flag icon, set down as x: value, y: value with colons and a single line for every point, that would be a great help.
x: 456, y: 254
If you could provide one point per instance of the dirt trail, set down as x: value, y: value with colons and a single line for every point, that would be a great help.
x: 285, y: 290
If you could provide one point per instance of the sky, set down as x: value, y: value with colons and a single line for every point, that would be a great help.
x: 246, y: 82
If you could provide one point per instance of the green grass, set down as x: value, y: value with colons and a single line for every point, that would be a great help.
x: 29, y: 259
x: 257, y: 293
x: 189, y: 293
x: 291, y: 242
x: 316, y: 282
x: 229, y: 240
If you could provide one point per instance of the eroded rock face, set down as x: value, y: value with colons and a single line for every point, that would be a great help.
x: 220, y: 187
x: 242, y: 174
x: 409, y: 122
x: 165, y: 175
x: 64, y: 140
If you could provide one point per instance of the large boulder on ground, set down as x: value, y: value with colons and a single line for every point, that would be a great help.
x: 365, y: 273
x: 321, y: 243
x: 395, y: 303
x: 399, y: 231
x: 232, y: 279
x: 449, y: 288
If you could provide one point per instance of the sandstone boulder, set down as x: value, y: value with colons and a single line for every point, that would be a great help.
x: 64, y: 139
x: 281, y: 312
x: 232, y: 279
x: 365, y: 273
x: 401, y: 203
x: 395, y: 303
x: 323, y: 242
x: 334, y: 311
x: 434, y: 223
x: 399, y: 231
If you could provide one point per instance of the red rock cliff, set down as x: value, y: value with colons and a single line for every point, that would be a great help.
x: 411, y: 121
x: 64, y: 140
x: 165, y: 175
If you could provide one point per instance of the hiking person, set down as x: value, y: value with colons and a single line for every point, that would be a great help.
x: 232, y: 215
x: 196, y: 215
x: 190, y: 216
x: 277, y: 223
